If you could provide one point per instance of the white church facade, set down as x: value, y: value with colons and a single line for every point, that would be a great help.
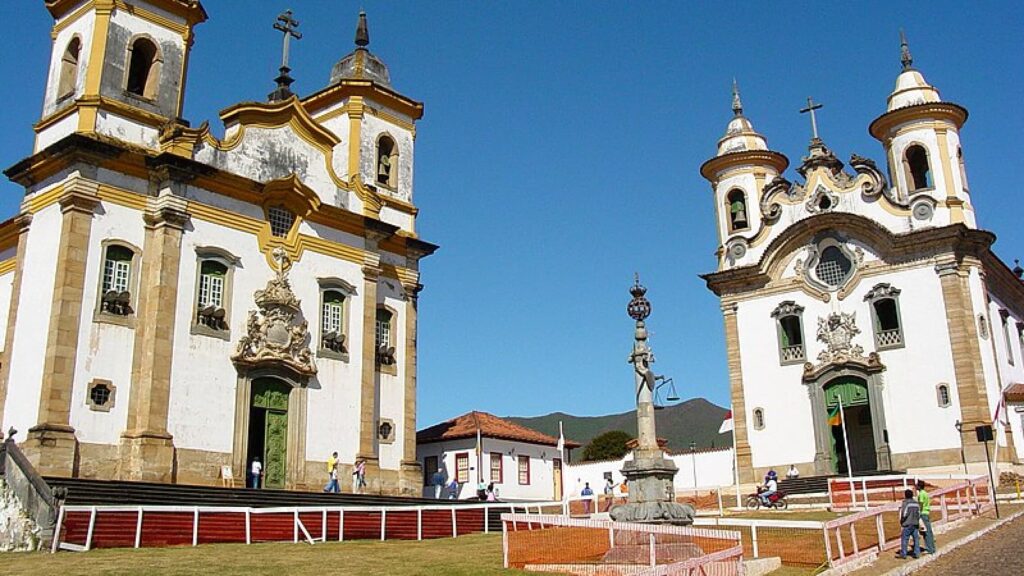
x: 176, y: 302
x: 872, y: 287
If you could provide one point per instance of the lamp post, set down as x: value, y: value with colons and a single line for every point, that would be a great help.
x: 693, y: 461
x: 960, y: 430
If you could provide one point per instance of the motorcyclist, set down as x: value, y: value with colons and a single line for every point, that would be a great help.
x: 771, y: 486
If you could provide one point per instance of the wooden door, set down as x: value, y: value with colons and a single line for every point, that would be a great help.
x: 276, y: 444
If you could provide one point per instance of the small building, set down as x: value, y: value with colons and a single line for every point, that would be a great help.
x: 522, y: 463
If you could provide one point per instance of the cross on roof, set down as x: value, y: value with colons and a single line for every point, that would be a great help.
x: 811, y: 107
x: 288, y: 25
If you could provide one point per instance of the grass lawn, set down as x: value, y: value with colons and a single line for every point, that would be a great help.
x: 466, y: 555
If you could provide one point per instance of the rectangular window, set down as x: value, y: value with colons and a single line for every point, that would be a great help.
x: 429, y: 467
x: 116, y: 274
x: 496, y: 471
x: 281, y: 220
x: 211, y: 290
x: 383, y: 336
x: 524, y: 470
x: 1005, y: 315
x: 462, y: 467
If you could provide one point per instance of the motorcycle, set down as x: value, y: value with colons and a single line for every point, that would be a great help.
x: 776, y: 500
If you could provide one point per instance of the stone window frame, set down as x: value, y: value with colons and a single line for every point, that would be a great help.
x: 943, y: 395
x: 333, y: 284
x: 394, y: 158
x: 390, y: 438
x: 1004, y: 317
x: 908, y: 174
x: 106, y: 406
x: 151, y: 90
x: 728, y: 210
x: 135, y: 265
x: 819, y: 252
x: 757, y: 418
x: 230, y: 261
x: 392, y: 368
x: 879, y: 293
x: 787, y: 309
x: 67, y: 75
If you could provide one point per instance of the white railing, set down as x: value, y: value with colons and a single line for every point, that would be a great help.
x: 865, y: 491
x: 299, y: 528
x: 755, y: 524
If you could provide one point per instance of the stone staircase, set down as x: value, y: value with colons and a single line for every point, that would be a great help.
x: 819, y: 484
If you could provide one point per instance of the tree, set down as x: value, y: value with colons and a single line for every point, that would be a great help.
x: 608, y: 446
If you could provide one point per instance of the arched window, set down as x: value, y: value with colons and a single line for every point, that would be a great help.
x: 69, y: 69
x: 383, y: 338
x: 1004, y: 315
x: 737, y: 205
x: 963, y: 170
x: 942, y: 395
x: 210, y: 299
x: 918, y: 171
x: 789, y: 326
x: 332, y: 321
x: 885, y: 316
x: 143, y: 68
x: 117, y: 280
x: 387, y: 162
x: 758, y: 418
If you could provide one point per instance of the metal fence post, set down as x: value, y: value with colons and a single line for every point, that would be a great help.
x: 295, y: 525
x: 419, y: 523
x: 138, y: 529
x: 92, y: 524
x: 341, y: 525
x: 248, y: 527
x: 504, y: 543
x: 487, y: 519
x: 195, y: 526
x: 753, y: 539
x: 455, y: 531
x: 654, y: 556
x: 880, y: 526
x: 383, y: 523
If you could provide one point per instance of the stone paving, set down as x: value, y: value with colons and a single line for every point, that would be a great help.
x: 998, y: 552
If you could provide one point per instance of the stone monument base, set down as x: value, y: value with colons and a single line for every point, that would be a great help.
x: 651, y: 493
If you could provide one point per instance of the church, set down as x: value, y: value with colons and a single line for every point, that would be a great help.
x: 178, y: 304
x: 864, y: 293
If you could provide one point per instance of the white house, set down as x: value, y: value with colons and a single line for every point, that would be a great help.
x: 698, y: 469
x: 873, y: 289
x: 176, y: 302
x: 522, y: 463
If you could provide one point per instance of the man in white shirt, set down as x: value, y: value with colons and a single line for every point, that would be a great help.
x: 256, y: 471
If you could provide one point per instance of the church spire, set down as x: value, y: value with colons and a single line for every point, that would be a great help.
x: 905, y: 58
x: 737, y: 106
x: 362, y: 31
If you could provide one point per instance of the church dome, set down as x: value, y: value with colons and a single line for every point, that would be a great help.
x: 361, y: 64
x: 911, y: 87
x: 740, y: 135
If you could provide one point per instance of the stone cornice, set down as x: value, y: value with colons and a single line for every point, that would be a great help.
x: 883, y: 125
x: 713, y: 167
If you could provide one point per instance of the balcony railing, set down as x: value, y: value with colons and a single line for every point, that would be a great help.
x: 890, y: 338
x: 793, y: 353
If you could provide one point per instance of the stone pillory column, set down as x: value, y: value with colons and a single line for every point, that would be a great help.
x: 651, y: 491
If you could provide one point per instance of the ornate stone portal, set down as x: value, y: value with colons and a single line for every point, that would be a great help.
x: 274, y: 332
x: 651, y: 491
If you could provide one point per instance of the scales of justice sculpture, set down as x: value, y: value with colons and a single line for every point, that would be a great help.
x: 651, y: 491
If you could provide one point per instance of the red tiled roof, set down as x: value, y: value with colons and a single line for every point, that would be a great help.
x: 490, y: 426
x: 1015, y: 393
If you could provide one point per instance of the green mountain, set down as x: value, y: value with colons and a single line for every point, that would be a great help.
x: 695, y: 420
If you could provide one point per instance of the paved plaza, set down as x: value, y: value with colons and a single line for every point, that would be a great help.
x: 997, y: 552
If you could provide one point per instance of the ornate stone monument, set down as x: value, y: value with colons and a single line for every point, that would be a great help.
x: 649, y: 474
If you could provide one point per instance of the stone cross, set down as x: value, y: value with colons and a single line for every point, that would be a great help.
x: 811, y: 107
x: 287, y: 25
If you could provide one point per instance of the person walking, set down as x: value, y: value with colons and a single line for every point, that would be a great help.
x: 359, y: 475
x: 332, y: 474
x: 910, y: 517
x: 586, y: 493
x: 255, y: 471
x: 453, y: 489
x: 438, y: 481
x: 609, y: 493
x: 925, y: 501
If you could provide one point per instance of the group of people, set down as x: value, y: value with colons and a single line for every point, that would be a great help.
x: 358, y: 475
x: 915, y: 520
x: 444, y: 488
x: 587, y: 493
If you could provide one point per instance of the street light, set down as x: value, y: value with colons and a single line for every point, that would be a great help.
x: 693, y: 458
x: 960, y: 430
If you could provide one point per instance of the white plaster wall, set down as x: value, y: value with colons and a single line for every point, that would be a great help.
x: 6, y: 286
x: 914, y: 420
x: 403, y: 220
x: 1003, y: 367
x: 391, y: 388
x: 84, y: 28
x: 34, y: 303
x: 541, y: 486
x: 105, y: 350
x: 714, y: 468
x: 55, y: 132
x: 122, y: 128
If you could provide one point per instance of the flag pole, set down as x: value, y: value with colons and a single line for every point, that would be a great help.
x: 846, y: 445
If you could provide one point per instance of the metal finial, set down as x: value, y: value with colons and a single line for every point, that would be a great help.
x: 639, y: 308
x: 905, y: 58
x: 737, y: 106
x: 362, y: 31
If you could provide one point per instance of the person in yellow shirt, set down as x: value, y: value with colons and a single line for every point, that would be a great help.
x: 332, y: 474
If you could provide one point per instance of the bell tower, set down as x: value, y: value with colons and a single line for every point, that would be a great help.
x: 117, y: 68
x: 921, y: 137
x: 738, y: 174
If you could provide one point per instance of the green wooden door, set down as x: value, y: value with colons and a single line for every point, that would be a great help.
x: 272, y: 396
x: 276, y: 444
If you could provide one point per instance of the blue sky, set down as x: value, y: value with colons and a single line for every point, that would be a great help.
x: 560, y: 148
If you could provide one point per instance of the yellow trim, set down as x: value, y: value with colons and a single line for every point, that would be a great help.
x: 54, y: 118
x: 8, y: 266
x: 43, y: 199
x: 355, y: 128
x: 956, y: 205
x: 94, y: 69
x: 122, y: 197
x: 70, y: 19
x: 149, y: 16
